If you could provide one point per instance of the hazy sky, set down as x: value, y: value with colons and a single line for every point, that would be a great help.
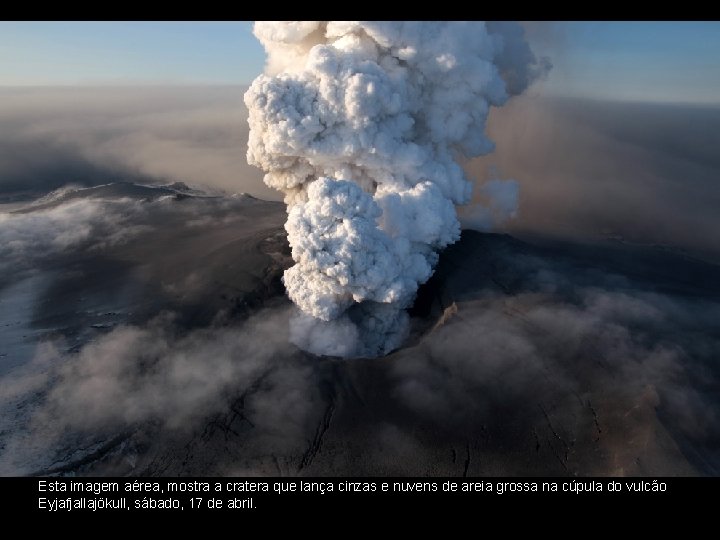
x: 662, y: 61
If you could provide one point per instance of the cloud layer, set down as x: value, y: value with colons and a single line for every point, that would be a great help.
x: 51, y: 137
x: 645, y: 173
x: 584, y: 169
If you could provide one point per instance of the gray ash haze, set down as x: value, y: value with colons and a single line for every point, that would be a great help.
x: 50, y: 137
x: 587, y: 169
x: 655, y: 163
x: 574, y: 328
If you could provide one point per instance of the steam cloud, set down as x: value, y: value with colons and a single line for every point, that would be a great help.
x: 360, y: 125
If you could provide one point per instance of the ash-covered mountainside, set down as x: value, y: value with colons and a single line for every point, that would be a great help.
x: 149, y: 336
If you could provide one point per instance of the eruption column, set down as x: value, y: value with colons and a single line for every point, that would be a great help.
x: 360, y: 125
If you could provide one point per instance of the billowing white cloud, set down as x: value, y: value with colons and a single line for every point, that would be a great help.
x: 359, y: 124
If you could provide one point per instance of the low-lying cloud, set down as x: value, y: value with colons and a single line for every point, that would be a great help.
x: 155, y: 376
x: 30, y: 239
x: 578, y: 359
x: 646, y: 173
x: 584, y: 169
x: 89, y: 136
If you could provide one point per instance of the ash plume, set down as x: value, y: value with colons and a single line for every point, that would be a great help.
x: 361, y: 125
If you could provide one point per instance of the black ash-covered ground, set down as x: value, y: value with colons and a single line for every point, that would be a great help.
x: 152, y: 340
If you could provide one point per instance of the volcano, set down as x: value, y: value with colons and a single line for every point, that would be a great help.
x: 525, y: 356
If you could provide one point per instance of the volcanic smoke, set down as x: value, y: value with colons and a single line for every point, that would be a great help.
x: 360, y: 125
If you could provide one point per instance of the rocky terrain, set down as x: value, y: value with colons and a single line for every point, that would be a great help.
x: 165, y: 352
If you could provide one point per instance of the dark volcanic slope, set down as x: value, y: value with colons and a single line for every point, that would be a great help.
x: 555, y: 360
x: 542, y: 358
x: 524, y: 372
x: 127, y: 253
